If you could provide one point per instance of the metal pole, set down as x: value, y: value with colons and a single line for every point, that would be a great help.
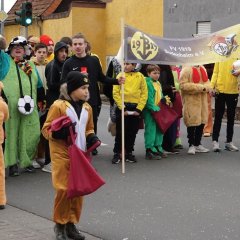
x: 2, y: 23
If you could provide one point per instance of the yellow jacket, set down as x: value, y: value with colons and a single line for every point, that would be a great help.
x: 135, y: 90
x: 222, y: 79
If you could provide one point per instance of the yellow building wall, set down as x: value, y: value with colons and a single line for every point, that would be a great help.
x: 101, y: 26
x: 147, y: 16
x: 91, y: 22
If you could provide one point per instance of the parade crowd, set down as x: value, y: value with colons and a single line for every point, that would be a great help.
x: 42, y: 81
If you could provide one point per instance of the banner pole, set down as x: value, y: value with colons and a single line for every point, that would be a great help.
x: 122, y: 91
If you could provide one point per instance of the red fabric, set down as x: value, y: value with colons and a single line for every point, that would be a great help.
x: 196, y: 76
x: 83, y: 178
x: 165, y: 117
x: 204, y: 74
x: 60, y: 122
x: 177, y: 104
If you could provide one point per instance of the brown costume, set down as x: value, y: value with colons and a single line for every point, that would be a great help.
x: 194, y: 85
x: 66, y: 210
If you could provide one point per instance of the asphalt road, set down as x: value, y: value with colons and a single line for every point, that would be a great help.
x: 181, y: 197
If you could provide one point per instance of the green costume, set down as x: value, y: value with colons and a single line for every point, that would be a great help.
x: 22, y: 131
x: 152, y: 135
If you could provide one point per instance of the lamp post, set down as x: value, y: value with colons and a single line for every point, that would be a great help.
x: 2, y: 23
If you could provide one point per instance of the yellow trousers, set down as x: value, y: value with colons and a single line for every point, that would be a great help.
x: 66, y: 210
x: 2, y: 178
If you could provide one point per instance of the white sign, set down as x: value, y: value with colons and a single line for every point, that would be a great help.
x: 3, y: 16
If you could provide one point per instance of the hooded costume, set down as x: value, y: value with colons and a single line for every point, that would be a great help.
x: 22, y: 131
x: 194, y: 85
x: 67, y: 210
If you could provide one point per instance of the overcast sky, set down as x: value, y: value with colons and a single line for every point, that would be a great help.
x: 7, y: 4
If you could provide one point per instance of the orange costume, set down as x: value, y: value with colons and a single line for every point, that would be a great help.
x: 66, y: 210
x: 3, y: 117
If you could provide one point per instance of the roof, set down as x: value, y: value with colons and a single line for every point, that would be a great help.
x: 44, y: 8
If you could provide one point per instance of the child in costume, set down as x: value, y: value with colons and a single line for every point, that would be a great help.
x: 152, y: 135
x: 3, y: 117
x: 72, y: 104
x: 135, y: 97
x: 195, y: 86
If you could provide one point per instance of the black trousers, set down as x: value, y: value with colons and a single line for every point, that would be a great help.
x: 230, y: 100
x: 131, y: 124
x: 194, y: 135
x: 169, y: 137
x: 96, y: 111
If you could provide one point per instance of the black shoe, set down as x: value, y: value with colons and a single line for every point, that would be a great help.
x: 30, y: 169
x: 116, y: 158
x: 59, y: 230
x: 130, y: 158
x: 13, y: 171
x: 150, y: 155
x: 2, y: 207
x: 179, y: 146
x: 95, y: 152
x: 73, y: 233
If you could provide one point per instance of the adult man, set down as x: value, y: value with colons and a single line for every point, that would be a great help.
x: 83, y: 62
x: 53, y: 74
x: 226, y: 88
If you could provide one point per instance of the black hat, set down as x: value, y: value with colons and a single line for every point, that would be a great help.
x: 75, y: 80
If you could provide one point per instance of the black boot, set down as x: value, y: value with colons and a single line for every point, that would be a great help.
x: 59, y: 230
x: 73, y: 232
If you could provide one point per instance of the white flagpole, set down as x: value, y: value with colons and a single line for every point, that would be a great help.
x: 122, y: 90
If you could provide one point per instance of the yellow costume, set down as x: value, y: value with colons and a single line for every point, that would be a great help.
x: 3, y: 117
x: 66, y: 210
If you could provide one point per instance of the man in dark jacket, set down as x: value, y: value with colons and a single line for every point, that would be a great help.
x: 53, y: 73
x: 90, y: 65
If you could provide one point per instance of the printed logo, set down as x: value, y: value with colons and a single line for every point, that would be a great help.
x: 143, y: 47
x: 223, y: 46
x: 75, y: 68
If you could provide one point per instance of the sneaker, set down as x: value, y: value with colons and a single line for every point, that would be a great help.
x: 41, y: 161
x: 230, y: 147
x: 216, y: 147
x: 36, y: 165
x: 191, y: 150
x: 206, y: 134
x: 130, y: 158
x: 13, y: 171
x: 201, y: 149
x: 47, y: 168
x: 30, y: 169
x: 151, y: 156
x: 73, y: 233
x: 116, y: 158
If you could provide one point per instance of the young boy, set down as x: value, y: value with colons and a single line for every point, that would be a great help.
x: 135, y: 97
x: 3, y: 117
x: 72, y: 103
x: 152, y: 135
x: 40, y: 62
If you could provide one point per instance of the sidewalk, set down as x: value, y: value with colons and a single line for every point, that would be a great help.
x: 17, y: 224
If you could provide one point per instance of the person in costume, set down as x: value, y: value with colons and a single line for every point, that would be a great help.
x: 152, y: 135
x: 20, y: 79
x: 72, y: 103
x: 195, y: 86
x: 3, y: 117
